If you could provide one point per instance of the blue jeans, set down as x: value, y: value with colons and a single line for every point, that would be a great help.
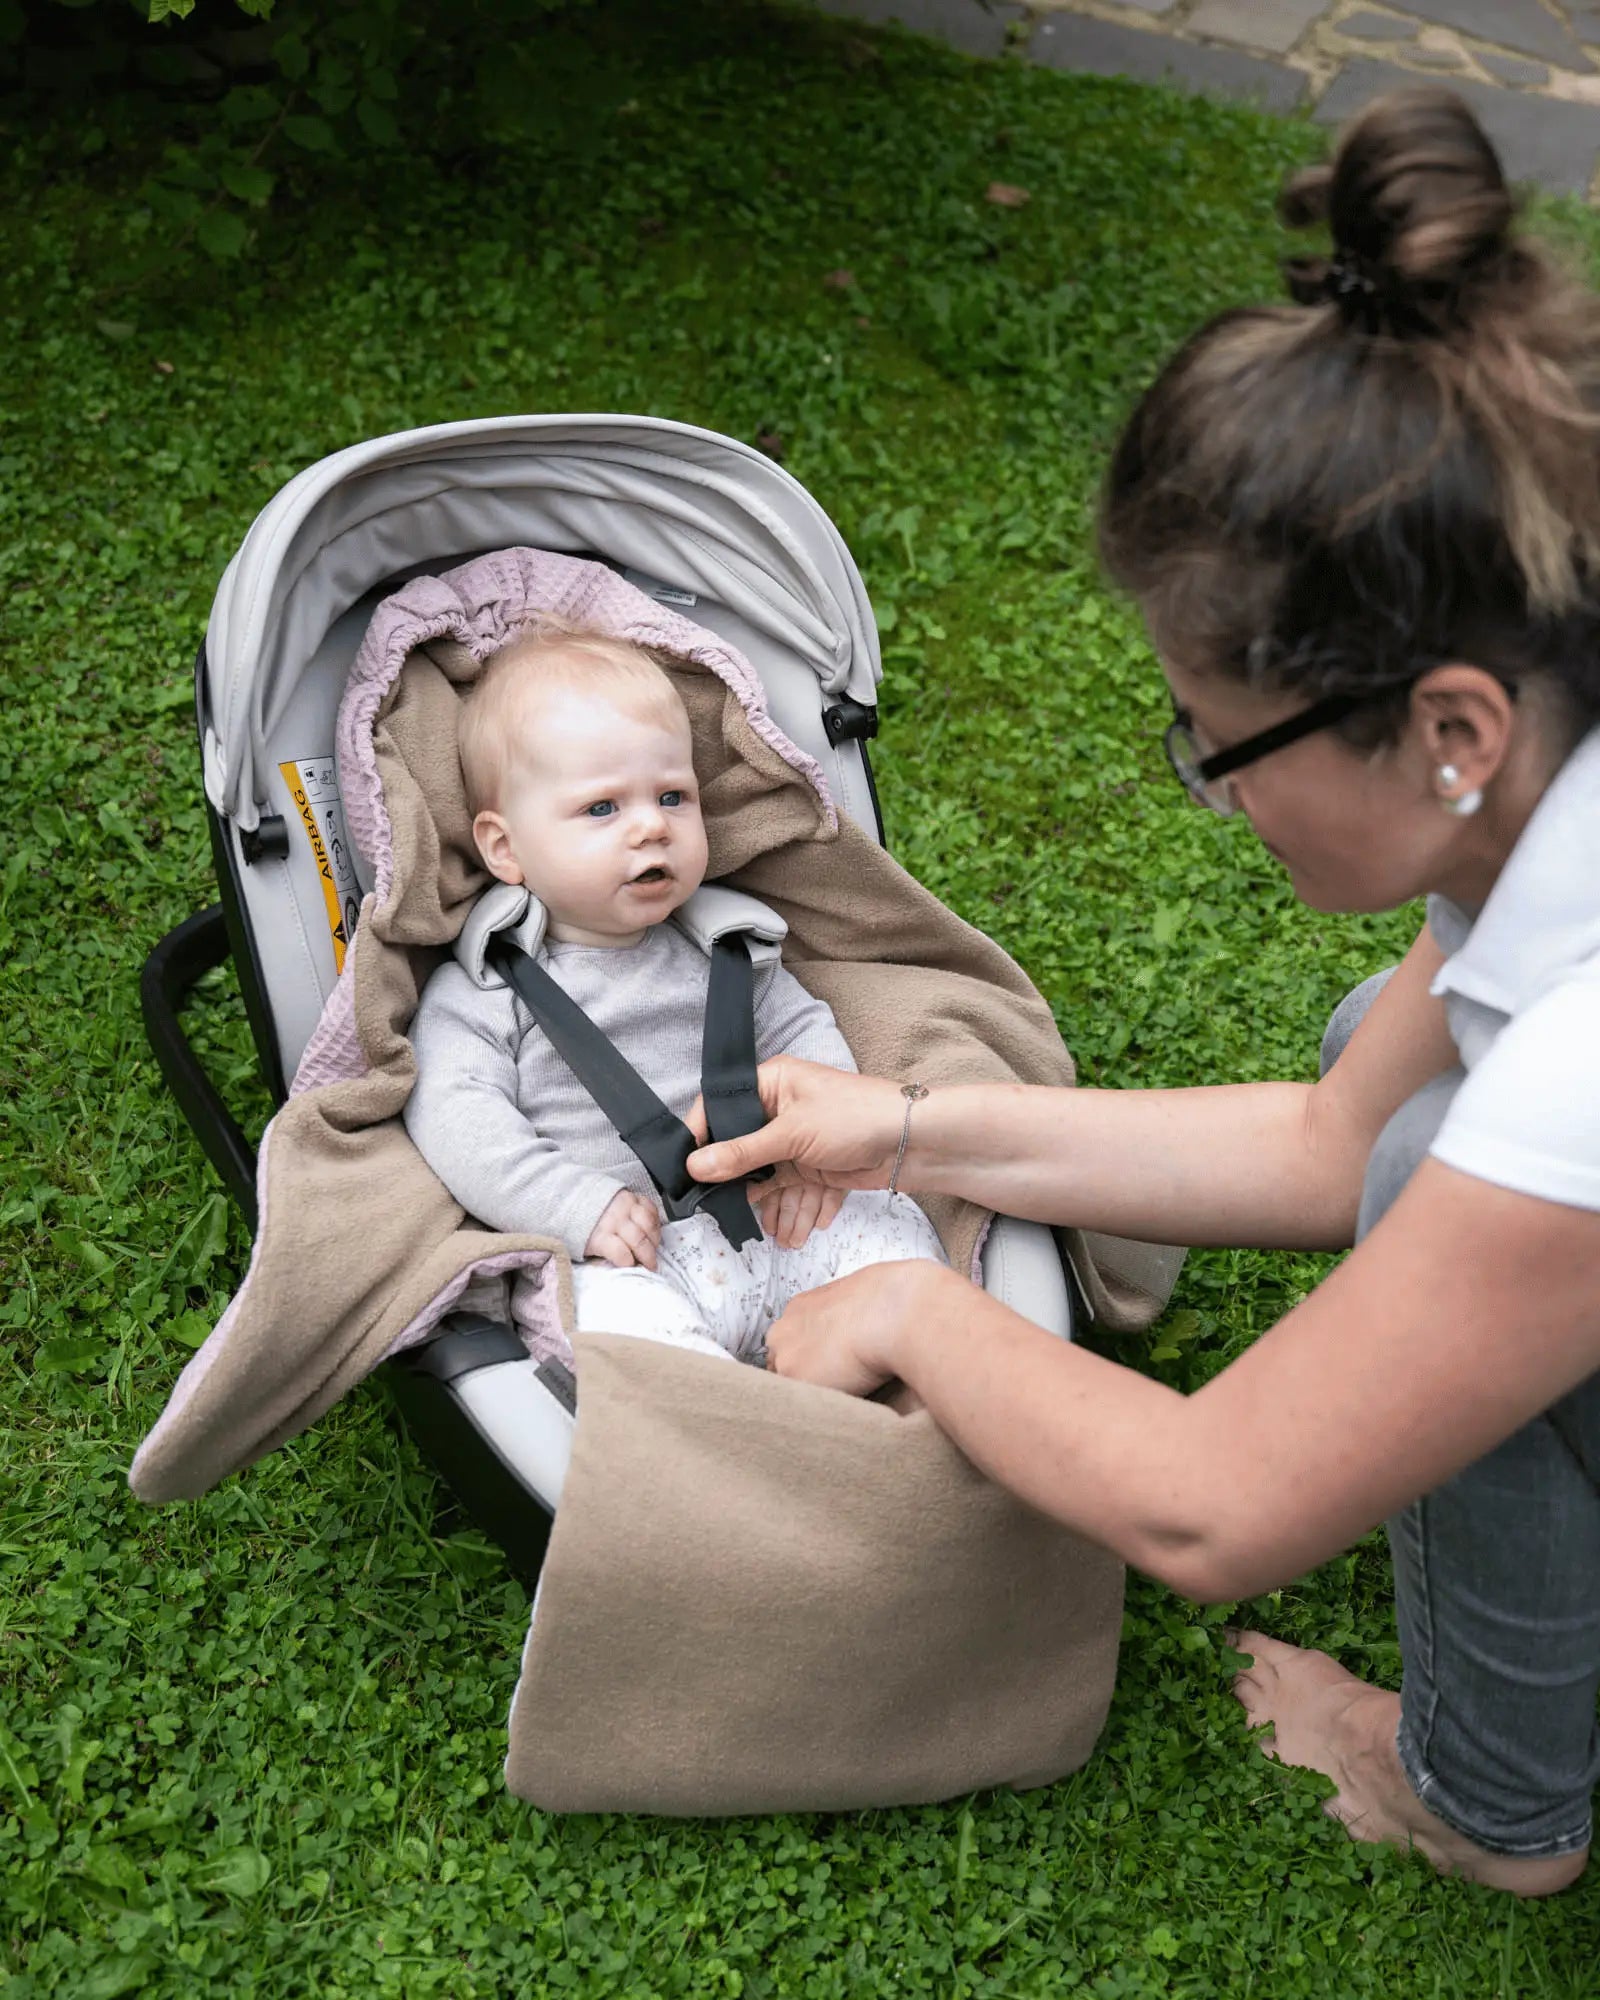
x: 1496, y: 1583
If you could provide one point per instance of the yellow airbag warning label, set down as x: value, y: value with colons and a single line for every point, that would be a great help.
x: 314, y: 787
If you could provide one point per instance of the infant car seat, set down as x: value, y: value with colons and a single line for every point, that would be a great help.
x: 697, y: 521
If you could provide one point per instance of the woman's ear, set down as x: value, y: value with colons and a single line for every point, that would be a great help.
x: 1465, y: 720
x: 493, y: 839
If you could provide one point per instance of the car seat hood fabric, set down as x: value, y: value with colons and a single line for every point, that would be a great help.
x: 715, y: 515
x: 360, y: 1250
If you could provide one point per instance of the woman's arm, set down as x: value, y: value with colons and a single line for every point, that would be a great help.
x: 1467, y: 1311
x: 1265, y: 1164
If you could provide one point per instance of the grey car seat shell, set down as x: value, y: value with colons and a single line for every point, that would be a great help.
x: 705, y: 523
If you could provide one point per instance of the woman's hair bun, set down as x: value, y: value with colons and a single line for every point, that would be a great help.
x: 1418, y: 207
x: 1408, y: 473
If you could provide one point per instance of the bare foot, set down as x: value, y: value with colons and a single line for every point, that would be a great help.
x: 1324, y: 1719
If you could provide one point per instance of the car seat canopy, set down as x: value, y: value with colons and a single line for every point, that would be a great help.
x: 664, y: 499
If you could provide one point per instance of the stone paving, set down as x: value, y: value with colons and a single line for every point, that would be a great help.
x: 1529, y: 68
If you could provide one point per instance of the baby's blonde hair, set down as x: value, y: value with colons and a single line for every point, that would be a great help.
x: 498, y: 712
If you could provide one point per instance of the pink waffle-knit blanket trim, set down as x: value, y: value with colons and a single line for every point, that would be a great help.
x: 537, y: 1313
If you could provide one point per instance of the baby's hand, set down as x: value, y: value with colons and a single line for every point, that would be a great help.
x: 627, y: 1232
x: 789, y: 1214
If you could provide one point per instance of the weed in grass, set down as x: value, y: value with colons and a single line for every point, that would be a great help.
x: 251, y: 1746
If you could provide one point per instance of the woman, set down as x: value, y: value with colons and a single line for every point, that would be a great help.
x: 1364, y: 531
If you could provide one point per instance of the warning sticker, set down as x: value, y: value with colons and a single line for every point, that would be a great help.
x: 663, y: 593
x: 314, y: 787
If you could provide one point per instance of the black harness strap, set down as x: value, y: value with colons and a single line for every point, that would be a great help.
x: 660, y: 1139
x: 728, y: 1052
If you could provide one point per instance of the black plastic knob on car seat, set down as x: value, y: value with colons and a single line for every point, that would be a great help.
x: 850, y: 721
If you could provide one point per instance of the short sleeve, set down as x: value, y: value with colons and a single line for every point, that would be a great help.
x: 1528, y: 1116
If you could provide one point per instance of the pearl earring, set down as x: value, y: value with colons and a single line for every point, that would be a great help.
x: 1464, y: 804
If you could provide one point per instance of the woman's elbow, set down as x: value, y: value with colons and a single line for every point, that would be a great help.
x: 1208, y: 1566
x: 1197, y: 1574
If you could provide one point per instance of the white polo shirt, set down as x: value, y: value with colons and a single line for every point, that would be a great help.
x: 1521, y: 991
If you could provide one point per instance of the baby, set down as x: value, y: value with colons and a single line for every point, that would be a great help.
x: 579, y: 770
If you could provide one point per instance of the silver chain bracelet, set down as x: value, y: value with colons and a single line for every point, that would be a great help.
x: 913, y: 1093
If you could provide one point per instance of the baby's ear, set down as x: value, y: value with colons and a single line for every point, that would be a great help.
x: 493, y: 840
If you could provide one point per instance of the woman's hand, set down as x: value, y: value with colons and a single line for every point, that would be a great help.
x: 826, y: 1126
x: 852, y: 1334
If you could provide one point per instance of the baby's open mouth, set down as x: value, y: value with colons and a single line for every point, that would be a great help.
x: 648, y: 875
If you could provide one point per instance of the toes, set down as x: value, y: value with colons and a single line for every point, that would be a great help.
x: 1297, y: 1672
x: 1255, y: 1684
x: 1248, y: 1692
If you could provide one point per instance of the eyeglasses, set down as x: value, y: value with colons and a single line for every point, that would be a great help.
x: 1205, y: 778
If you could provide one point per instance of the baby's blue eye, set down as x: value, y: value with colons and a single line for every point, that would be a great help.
x: 672, y: 798
x: 601, y: 809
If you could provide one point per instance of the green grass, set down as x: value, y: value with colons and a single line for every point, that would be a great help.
x: 251, y: 1746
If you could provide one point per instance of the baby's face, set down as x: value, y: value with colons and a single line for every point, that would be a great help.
x: 600, y: 818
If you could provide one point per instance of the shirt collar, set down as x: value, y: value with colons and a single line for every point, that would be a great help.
x: 1543, y: 914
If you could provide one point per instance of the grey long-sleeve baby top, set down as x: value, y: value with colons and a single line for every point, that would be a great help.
x: 505, y: 1124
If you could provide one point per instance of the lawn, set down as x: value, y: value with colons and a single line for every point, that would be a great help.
x: 251, y: 1746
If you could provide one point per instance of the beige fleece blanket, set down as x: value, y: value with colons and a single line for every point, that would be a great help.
x: 870, y: 1621
x: 785, y: 1538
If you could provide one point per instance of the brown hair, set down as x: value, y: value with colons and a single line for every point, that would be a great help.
x: 497, y: 720
x: 1403, y: 467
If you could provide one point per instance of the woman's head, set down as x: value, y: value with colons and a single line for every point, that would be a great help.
x: 1388, y: 491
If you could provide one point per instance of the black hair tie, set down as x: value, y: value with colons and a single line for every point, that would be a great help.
x: 1354, y: 290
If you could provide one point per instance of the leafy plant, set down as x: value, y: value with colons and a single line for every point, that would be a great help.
x: 224, y: 104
